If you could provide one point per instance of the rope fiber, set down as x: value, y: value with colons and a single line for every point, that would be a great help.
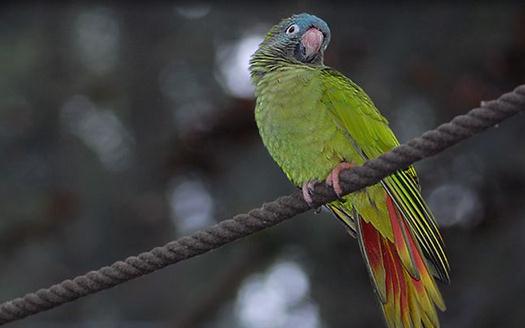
x: 430, y: 143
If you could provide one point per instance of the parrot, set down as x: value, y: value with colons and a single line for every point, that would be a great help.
x: 316, y: 122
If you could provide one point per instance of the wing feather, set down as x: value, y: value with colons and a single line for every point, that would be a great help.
x: 368, y: 131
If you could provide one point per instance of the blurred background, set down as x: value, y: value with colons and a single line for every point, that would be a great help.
x: 123, y: 127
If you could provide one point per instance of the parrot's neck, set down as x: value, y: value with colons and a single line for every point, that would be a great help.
x: 264, y: 60
x: 268, y: 59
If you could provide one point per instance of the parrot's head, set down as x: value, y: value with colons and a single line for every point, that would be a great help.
x: 301, y: 37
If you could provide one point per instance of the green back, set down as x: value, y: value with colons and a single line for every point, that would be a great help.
x: 368, y: 131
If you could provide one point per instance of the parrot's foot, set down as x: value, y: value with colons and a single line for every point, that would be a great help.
x: 308, y: 188
x: 333, y: 178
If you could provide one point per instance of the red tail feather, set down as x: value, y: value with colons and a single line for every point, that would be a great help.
x: 407, y: 291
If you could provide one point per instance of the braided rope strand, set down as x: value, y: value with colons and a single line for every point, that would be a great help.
x: 430, y: 143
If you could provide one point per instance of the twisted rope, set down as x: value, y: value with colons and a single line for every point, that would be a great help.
x: 269, y: 214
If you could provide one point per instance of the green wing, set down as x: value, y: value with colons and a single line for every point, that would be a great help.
x: 369, y: 133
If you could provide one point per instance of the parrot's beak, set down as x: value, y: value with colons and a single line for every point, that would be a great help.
x: 311, y: 41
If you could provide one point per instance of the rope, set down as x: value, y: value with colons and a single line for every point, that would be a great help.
x: 269, y: 214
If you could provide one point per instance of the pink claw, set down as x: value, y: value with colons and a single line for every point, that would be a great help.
x: 308, y: 188
x: 333, y: 177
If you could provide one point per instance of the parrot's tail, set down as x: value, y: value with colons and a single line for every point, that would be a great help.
x: 406, y: 290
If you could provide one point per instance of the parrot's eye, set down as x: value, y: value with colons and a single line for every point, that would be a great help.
x: 292, y: 29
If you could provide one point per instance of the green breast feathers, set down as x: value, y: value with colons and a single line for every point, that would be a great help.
x: 297, y: 126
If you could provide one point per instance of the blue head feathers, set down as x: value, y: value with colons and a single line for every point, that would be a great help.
x: 299, y: 38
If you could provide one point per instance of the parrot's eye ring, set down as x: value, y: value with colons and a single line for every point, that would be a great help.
x: 292, y: 29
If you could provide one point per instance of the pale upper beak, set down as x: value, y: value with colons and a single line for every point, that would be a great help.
x: 312, y: 40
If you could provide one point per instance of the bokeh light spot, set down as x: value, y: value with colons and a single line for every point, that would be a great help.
x: 191, y: 205
x: 277, y: 299
x: 233, y: 65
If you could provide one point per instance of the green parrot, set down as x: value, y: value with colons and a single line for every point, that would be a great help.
x: 315, y: 122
